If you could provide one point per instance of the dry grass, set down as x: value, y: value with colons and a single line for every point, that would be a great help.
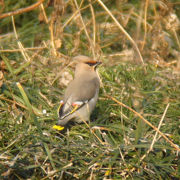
x: 134, y: 131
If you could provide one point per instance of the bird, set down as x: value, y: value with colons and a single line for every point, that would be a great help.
x: 81, y: 93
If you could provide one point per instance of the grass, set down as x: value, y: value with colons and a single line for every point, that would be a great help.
x: 116, y: 143
x: 113, y: 145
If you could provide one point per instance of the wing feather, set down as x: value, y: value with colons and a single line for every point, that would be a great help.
x: 84, y: 92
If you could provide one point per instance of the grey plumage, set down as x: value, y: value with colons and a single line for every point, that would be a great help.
x: 82, y: 91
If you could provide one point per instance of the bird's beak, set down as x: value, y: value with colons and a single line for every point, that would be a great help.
x: 98, y: 63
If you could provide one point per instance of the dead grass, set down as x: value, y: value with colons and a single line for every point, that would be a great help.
x: 134, y: 132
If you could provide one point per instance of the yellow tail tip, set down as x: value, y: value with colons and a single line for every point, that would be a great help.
x: 59, y: 128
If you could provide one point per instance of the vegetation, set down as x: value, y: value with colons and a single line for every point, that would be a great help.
x: 118, y: 143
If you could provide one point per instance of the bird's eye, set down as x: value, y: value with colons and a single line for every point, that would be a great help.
x: 90, y: 64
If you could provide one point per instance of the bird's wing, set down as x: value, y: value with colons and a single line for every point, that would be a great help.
x: 77, y: 96
x: 67, y: 108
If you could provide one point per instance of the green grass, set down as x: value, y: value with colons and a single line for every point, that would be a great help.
x: 114, y: 142
x: 29, y: 145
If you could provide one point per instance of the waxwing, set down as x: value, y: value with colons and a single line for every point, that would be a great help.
x: 82, y: 92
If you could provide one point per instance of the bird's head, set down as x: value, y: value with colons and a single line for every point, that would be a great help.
x: 84, y: 63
